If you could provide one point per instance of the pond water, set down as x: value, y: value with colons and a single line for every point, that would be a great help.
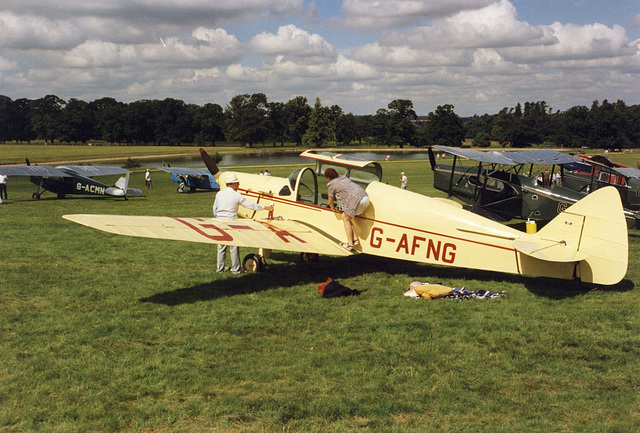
x: 258, y: 158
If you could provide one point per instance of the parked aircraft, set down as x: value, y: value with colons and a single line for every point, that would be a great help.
x: 588, y: 241
x: 597, y: 171
x: 192, y: 178
x: 73, y: 179
x: 504, y: 185
x: 521, y: 184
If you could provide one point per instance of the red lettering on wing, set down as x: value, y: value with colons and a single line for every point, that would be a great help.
x: 222, y: 236
x: 282, y: 234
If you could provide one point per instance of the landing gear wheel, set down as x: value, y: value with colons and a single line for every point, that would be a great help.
x: 309, y: 257
x: 252, y: 263
x: 35, y: 196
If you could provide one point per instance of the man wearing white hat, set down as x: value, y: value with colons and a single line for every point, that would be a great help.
x: 226, y: 205
x: 403, y: 181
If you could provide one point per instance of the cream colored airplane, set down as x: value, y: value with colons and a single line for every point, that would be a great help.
x: 588, y: 241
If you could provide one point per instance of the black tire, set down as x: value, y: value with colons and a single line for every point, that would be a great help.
x: 252, y: 263
x: 35, y: 196
x: 309, y: 257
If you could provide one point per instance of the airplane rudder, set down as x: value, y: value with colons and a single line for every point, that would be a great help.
x: 596, y: 227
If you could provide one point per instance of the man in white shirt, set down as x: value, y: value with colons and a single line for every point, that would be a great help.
x: 226, y: 205
x: 403, y: 181
x: 3, y: 187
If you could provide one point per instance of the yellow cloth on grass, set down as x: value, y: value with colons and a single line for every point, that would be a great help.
x: 430, y: 291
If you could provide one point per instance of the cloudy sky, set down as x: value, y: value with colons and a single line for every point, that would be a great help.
x: 478, y: 55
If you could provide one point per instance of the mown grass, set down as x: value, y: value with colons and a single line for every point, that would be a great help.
x: 121, y: 334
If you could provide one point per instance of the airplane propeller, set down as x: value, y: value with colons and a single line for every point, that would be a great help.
x: 210, y: 163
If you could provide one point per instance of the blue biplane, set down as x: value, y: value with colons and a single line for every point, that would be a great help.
x: 190, y: 179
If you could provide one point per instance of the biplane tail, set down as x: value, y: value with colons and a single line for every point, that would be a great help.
x: 591, y: 233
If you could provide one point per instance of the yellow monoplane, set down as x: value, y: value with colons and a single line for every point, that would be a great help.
x: 587, y: 242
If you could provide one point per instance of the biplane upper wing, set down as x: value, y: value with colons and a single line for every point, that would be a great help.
x: 284, y: 235
x: 61, y: 171
x: 512, y: 157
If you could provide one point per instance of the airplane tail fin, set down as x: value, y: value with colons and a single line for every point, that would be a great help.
x: 591, y: 233
x: 123, y: 182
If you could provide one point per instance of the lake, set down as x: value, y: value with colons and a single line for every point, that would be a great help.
x: 259, y: 158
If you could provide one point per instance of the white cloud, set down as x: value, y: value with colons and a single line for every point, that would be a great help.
x: 576, y: 42
x: 205, y: 47
x: 475, y: 54
x: 377, y: 14
x: 153, y: 12
x: 293, y: 42
x: 7, y: 65
x: 493, y: 26
x: 30, y: 32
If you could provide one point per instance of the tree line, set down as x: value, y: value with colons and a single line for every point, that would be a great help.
x: 251, y: 119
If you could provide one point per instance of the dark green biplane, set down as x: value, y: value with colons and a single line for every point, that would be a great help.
x: 503, y: 185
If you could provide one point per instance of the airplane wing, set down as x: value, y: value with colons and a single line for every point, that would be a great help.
x: 537, y: 156
x: 33, y: 170
x: 284, y: 235
x: 94, y: 170
x: 60, y: 171
x: 189, y: 171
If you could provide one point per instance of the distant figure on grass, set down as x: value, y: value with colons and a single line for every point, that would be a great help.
x: 226, y: 205
x: 353, y: 200
x: 3, y: 187
x: 147, y: 179
x: 403, y: 181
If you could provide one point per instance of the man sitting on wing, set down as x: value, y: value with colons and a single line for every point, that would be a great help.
x: 226, y: 206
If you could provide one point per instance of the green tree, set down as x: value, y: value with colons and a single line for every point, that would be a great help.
x: 7, y: 118
x: 296, y: 114
x: 444, y: 127
x: 22, y: 122
x: 109, y: 116
x: 346, y: 130
x: 403, y: 108
x: 318, y: 131
x: 246, y: 117
x: 171, y: 122
x: 403, y: 131
x: 76, y: 122
x: 45, y: 117
x: 276, y: 122
x: 208, y: 123
x: 482, y: 139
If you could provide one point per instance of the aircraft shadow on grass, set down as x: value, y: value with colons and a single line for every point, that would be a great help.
x: 288, y: 275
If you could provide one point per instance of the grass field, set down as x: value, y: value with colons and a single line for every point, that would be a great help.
x: 109, y: 334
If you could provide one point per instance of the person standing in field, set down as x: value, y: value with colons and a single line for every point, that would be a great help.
x: 3, y: 187
x: 226, y: 205
x: 403, y: 180
x: 353, y: 200
x: 147, y: 179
